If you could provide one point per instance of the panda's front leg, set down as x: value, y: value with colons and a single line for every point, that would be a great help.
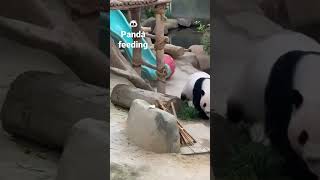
x: 258, y: 135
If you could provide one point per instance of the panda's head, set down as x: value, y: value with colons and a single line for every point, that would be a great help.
x: 303, y: 131
x: 205, y: 97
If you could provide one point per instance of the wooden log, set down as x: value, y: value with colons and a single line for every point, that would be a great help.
x: 123, y: 95
x: 137, y: 57
x: 146, y: 29
x: 159, y: 45
x: 43, y: 107
x: 174, y: 51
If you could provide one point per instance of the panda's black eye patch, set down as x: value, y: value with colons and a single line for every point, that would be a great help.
x: 202, y: 93
x: 303, y: 137
x: 297, y: 98
x: 205, y: 104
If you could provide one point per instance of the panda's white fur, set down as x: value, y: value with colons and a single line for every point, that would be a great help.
x: 188, y: 90
x: 247, y: 98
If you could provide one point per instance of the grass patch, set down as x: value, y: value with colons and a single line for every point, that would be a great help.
x: 253, y: 161
x: 205, y: 41
x: 187, y: 113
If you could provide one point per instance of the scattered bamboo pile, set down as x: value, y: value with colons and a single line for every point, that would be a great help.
x: 185, y: 138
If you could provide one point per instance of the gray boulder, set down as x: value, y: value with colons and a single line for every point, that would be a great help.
x: 86, y: 154
x: 153, y: 129
x: 150, y: 22
x: 197, y: 49
x: 185, y: 22
x: 171, y: 24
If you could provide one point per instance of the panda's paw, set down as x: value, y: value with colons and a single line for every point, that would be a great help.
x: 183, y: 97
x: 257, y: 134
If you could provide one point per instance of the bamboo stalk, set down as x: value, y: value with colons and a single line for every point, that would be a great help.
x: 174, y: 110
x: 185, y: 137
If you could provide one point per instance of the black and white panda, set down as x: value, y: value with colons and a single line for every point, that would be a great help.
x: 279, y: 94
x: 197, y: 90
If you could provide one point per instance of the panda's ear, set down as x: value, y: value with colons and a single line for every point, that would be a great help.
x: 202, y: 93
x: 297, y: 98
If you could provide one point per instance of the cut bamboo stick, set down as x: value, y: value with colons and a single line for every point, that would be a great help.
x: 185, y: 138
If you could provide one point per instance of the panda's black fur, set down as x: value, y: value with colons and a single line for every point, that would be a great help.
x: 280, y: 98
x: 197, y: 94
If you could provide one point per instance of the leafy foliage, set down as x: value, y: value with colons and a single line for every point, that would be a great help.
x: 205, y: 41
x: 254, y: 161
x: 187, y: 113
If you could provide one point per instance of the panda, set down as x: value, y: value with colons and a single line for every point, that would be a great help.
x: 278, y: 93
x: 197, y: 90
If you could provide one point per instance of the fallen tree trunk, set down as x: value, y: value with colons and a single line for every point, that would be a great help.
x: 123, y: 95
x: 43, y: 106
x: 146, y: 29
x: 174, y: 51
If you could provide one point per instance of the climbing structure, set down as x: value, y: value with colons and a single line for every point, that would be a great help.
x: 134, y: 13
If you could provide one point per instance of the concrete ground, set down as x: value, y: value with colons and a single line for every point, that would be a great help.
x: 130, y: 160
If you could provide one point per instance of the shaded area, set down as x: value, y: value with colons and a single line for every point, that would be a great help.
x: 235, y: 157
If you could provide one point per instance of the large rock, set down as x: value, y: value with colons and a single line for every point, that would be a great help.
x: 43, y: 106
x: 197, y: 49
x: 171, y: 24
x: 191, y: 58
x: 153, y: 129
x: 86, y: 153
x: 187, y: 57
x: 203, y: 61
x: 185, y: 22
x: 150, y: 22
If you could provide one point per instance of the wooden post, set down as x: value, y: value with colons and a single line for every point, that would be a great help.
x: 129, y: 16
x: 137, y: 59
x: 159, y: 47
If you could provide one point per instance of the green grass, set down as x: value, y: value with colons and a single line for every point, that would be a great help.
x: 149, y: 12
x: 187, y: 113
x: 253, y: 161
x: 205, y: 41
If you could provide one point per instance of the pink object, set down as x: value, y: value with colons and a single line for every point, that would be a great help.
x: 170, y: 61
